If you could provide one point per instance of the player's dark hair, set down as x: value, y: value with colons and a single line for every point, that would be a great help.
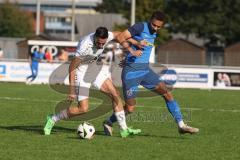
x: 158, y: 15
x: 101, y: 32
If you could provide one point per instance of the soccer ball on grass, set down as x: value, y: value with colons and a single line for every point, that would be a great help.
x: 86, y: 130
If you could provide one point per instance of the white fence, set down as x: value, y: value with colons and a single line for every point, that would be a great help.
x: 18, y: 71
x: 185, y: 77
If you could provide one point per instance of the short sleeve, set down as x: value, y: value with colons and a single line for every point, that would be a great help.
x: 136, y: 29
x: 82, y: 48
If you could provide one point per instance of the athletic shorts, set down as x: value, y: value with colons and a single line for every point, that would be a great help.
x: 88, y: 75
x: 133, y: 76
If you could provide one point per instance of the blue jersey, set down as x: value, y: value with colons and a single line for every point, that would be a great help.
x: 141, y: 31
x: 136, y: 70
x: 36, y: 57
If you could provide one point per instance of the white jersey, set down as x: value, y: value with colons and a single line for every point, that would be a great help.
x: 89, y: 72
x: 87, y: 50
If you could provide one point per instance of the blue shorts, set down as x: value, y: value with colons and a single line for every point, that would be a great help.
x: 135, y: 75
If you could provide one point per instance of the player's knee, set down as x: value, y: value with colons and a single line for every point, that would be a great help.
x: 115, y: 93
x: 168, y: 96
x: 130, y: 105
x: 129, y: 109
x: 82, y: 109
x: 161, y: 88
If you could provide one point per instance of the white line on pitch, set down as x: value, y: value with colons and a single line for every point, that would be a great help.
x: 138, y: 106
x: 195, y: 109
x: 35, y: 100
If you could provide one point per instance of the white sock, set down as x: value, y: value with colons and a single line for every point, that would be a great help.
x: 121, y: 119
x: 59, y: 116
x: 181, y: 124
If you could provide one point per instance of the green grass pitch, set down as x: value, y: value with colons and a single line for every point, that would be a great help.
x: 23, y: 110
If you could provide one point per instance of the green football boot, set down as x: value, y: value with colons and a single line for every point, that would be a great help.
x: 129, y: 131
x: 48, y: 125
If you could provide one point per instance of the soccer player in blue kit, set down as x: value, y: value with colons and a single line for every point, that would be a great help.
x: 136, y: 71
x: 36, y: 57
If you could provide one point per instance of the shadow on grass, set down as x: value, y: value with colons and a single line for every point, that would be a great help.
x: 36, y: 128
x: 145, y: 135
x: 163, y: 136
x: 98, y: 133
x: 39, y: 129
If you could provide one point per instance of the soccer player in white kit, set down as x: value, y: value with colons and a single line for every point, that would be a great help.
x: 84, y: 72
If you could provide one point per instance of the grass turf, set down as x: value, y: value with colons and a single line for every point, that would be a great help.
x: 23, y: 110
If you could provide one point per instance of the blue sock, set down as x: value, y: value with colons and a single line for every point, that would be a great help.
x: 112, y: 119
x: 174, y: 109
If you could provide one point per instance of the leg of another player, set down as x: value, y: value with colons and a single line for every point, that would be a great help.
x: 65, y: 114
x: 29, y: 78
x: 35, y: 72
x: 70, y: 112
x: 109, y: 89
x: 174, y: 109
x: 129, y: 107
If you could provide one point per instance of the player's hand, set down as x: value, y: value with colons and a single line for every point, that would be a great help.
x: 137, y: 53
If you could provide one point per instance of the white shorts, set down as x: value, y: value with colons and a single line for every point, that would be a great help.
x: 88, y: 75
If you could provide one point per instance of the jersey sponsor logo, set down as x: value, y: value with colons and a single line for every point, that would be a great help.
x: 150, y: 44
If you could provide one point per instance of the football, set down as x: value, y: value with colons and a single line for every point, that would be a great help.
x: 86, y: 130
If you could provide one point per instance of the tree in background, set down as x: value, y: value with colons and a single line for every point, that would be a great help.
x: 144, y: 10
x: 14, y: 22
x: 111, y: 6
x: 216, y: 21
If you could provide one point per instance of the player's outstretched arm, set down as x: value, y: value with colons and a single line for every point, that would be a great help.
x: 139, y: 44
x: 131, y: 40
x: 123, y: 39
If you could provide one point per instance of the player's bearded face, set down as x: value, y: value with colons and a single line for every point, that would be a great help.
x: 156, y: 25
x: 99, y: 42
